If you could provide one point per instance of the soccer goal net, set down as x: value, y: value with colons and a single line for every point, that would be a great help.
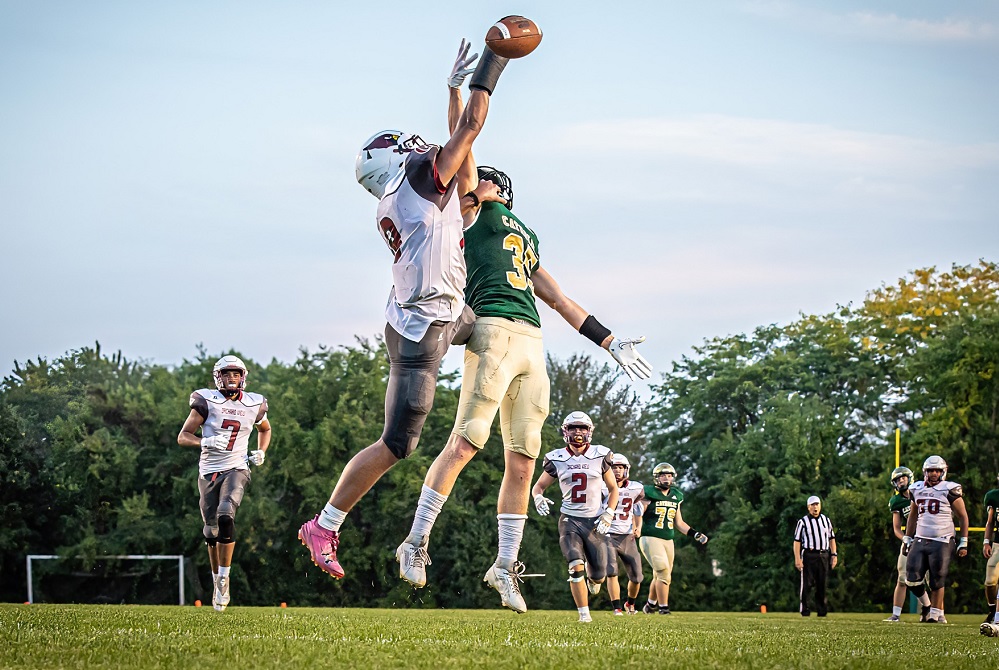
x: 136, y: 579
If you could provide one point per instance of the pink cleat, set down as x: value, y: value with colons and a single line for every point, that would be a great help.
x: 322, y: 544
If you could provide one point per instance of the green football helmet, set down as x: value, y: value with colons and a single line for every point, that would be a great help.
x: 899, y: 472
x: 659, y: 471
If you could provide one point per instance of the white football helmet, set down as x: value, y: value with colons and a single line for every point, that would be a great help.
x: 620, y: 459
x: 381, y: 158
x: 229, y: 362
x: 935, y: 463
x: 577, y: 418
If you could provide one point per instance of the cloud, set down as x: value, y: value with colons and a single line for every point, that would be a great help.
x: 874, y: 26
x: 720, y: 158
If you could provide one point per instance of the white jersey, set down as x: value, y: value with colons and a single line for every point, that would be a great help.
x: 234, y: 418
x: 422, y: 225
x: 936, y: 517
x: 627, y: 495
x: 580, y: 478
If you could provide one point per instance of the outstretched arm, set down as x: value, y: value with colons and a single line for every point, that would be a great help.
x: 473, y: 117
x: 623, y: 350
x: 466, y: 174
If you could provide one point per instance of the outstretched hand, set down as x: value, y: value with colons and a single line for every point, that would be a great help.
x: 463, y: 65
x: 634, y: 364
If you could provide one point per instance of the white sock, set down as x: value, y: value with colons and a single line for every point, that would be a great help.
x: 430, y: 505
x: 331, y: 518
x: 511, y: 532
x: 935, y: 613
x: 896, y: 611
x: 995, y: 617
x: 583, y: 611
x: 924, y: 599
x: 223, y: 571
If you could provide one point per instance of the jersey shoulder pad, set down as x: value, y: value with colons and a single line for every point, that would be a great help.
x: 918, y: 486
x: 677, y: 492
x: 211, y: 395
x: 559, y: 454
x: 954, y: 490
x: 600, y: 450
x: 253, y: 399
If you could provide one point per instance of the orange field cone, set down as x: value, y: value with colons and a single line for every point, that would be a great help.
x: 197, y: 603
x: 763, y: 609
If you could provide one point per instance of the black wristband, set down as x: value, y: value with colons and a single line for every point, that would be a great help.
x: 691, y: 532
x: 594, y: 331
x: 488, y: 71
x: 471, y: 194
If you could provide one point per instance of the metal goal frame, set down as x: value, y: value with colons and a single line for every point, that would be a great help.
x: 151, y: 557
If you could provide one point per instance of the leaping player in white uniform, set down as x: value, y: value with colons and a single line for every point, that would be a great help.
x: 419, y: 218
x: 929, y: 533
x: 226, y: 416
x: 581, y: 469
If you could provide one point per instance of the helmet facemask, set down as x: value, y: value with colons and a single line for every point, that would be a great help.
x: 222, y: 382
x: 500, y: 179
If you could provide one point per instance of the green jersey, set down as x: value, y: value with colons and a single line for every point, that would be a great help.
x: 660, y: 510
x: 501, y: 254
x: 992, y: 500
x: 901, y: 504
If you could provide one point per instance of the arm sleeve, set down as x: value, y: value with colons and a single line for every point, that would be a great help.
x: 606, y: 463
x: 955, y: 493
x: 199, y: 405
x: 549, y: 467
x: 261, y: 412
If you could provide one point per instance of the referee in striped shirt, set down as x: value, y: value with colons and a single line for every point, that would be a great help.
x: 814, y: 555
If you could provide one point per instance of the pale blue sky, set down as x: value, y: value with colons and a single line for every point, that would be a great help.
x: 176, y: 173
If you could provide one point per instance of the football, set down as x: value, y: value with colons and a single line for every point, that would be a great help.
x: 513, y: 37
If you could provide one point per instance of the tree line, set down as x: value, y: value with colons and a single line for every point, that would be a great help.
x: 754, y: 423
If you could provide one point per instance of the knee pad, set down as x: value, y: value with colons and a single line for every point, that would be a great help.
x: 918, y: 589
x: 576, y: 564
x: 476, y: 431
x: 577, y: 576
x: 227, y: 529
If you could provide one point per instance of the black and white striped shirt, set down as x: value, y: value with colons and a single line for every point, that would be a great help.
x: 814, y: 532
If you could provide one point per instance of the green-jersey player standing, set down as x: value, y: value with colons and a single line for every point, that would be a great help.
x: 661, y: 518
x: 898, y: 507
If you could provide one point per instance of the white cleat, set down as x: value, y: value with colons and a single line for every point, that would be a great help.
x: 989, y: 629
x: 893, y: 618
x: 507, y: 583
x: 220, y: 599
x: 592, y: 586
x: 585, y: 618
x: 413, y: 562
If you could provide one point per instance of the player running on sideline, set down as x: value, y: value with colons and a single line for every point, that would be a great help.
x: 226, y: 416
x: 580, y: 468
x: 504, y: 368
x: 898, y: 505
x: 929, y: 532
x: 621, y: 540
x: 419, y: 217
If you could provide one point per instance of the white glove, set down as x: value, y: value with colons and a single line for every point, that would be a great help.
x: 624, y: 353
x: 220, y: 442
x: 543, y: 504
x: 256, y: 456
x: 906, y: 544
x: 700, y: 537
x: 462, y: 65
x: 603, y: 523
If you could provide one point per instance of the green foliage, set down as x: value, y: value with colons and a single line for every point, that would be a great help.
x: 755, y: 423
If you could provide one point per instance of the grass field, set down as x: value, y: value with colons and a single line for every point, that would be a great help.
x: 122, y: 636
